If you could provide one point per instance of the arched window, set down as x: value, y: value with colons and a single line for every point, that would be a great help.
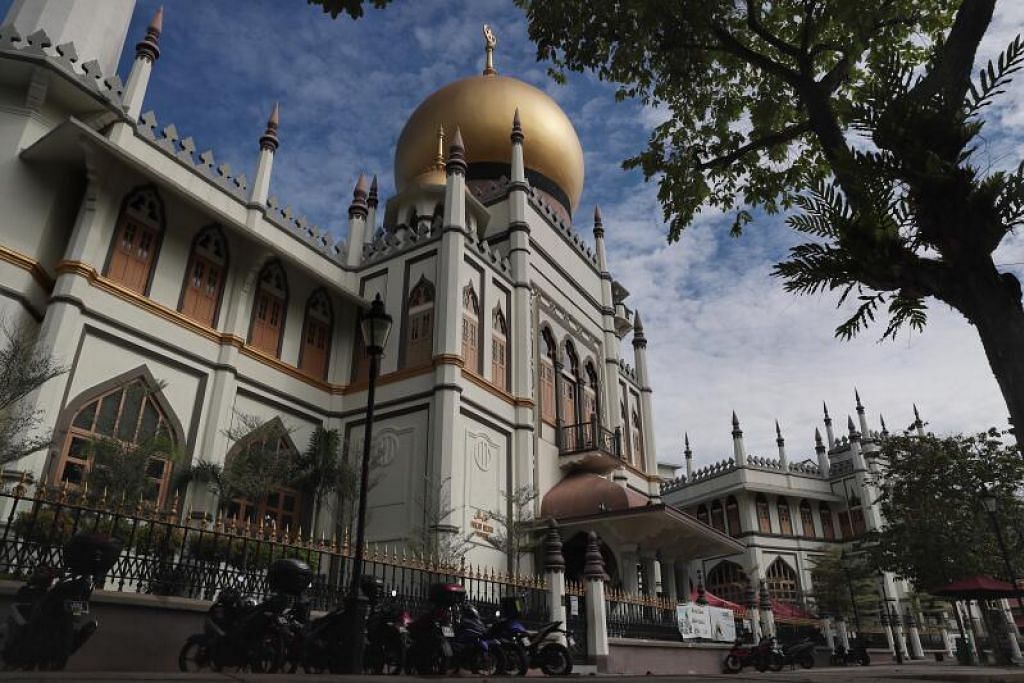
x: 732, y: 516
x: 547, y: 378
x: 204, y: 277
x: 637, y: 432
x: 316, y: 335
x: 268, y: 310
x: 782, y: 582
x: 131, y: 415
x: 764, y: 518
x: 136, y: 240
x: 717, y: 515
x: 828, y: 529
x: 702, y: 513
x: 570, y: 379
x: 591, y: 407
x: 627, y: 449
x: 471, y: 328
x: 785, y: 520
x: 282, y: 506
x: 499, y: 349
x: 419, y: 337
x: 728, y: 581
x: 807, y: 519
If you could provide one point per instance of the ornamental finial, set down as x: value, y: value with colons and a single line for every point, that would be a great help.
x: 490, y: 42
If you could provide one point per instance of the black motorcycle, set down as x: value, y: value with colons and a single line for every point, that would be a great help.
x: 546, y: 649
x: 387, y: 634
x: 474, y: 649
x: 430, y: 652
x: 799, y: 653
x: 241, y: 633
x: 857, y: 654
x: 49, y: 619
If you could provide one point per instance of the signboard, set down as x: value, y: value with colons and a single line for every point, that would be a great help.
x: 702, y: 621
x: 574, y: 606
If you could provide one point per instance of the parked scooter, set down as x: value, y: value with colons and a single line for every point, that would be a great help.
x: 763, y: 656
x: 542, y: 649
x: 857, y: 654
x: 387, y: 633
x: 50, y: 620
x: 799, y: 653
x: 473, y: 649
x: 240, y: 633
x: 430, y: 651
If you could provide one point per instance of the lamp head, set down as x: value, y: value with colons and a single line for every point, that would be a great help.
x: 376, y: 327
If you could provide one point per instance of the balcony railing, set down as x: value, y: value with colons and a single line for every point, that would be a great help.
x: 583, y: 437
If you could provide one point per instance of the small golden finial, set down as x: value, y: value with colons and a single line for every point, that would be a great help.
x: 490, y: 42
x: 439, y: 156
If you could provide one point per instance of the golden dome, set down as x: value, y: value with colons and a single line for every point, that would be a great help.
x: 482, y: 107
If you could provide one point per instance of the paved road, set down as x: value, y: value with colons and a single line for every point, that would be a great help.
x: 880, y: 674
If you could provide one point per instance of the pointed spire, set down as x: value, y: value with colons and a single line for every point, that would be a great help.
x: 849, y: 424
x: 517, y: 129
x: 371, y: 199
x: 856, y: 394
x: 686, y: 445
x: 735, y: 421
x: 269, y: 138
x: 885, y: 430
x: 639, y: 339
x: 778, y: 430
x: 817, y: 439
x: 149, y: 46
x: 828, y: 419
x: 358, y: 206
x: 917, y: 415
x: 456, y: 154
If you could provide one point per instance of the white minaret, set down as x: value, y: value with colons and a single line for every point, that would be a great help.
x: 881, y: 420
x: 689, y: 457
x: 265, y: 165
x: 861, y: 417
x: 781, y: 443
x: 372, y: 199
x: 918, y: 423
x: 612, y: 418
x: 856, y: 455
x: 98, y: 28
x: 739, y: 452
x: 646, y: 404
x: 829, y: 435
x: 147, y: 51
x: 357, y: 212
x: 819, y: 449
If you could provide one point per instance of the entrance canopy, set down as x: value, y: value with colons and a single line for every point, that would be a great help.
x: 979, y: 588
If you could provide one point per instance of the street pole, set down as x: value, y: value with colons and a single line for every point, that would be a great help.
x: 1006, y: 557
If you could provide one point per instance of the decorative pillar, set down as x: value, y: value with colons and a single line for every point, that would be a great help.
x: 843, y: 632
x: 1011, y: 631
x: 554, y: 570
x: 689, y: 457
x: 652, y: 578
x: 819, y: 450
x: 357, y: 212
x: 830, y: 634
x: 886, y: 628
x: 268, y: 148
x: 901, y: 635
x: 861, y: 417
x: 856, y: 455
x: 597, y: 621
x: 610, y: 405
x: 766, y: 611
x: 828, y: 429
x: 752, y: 613
x: 918, y: 424
x: 668, y: 579
x: 146, y: 54
x: 781, y: 443
x: 646, y: 404
x: 916, y: 651
x: 630, y: 560
x: 372, y: 200
x: 739, y: 452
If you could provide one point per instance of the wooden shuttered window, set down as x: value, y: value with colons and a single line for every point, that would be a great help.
x: 785, y: 520
x: 547, y: 391
x: 204, y: 280
x: 764, y: 519
x: 136, y: 239
x: 499, y: 350
x: 471, y: 328
x: 419, y: 336
x: 316, y: 335
x: 269, y: 307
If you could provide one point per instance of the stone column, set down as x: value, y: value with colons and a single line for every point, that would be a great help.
x: 554, y: 572
x: 629, y: 560
x: 901, y: 636
x: 1011, y: 631
x: 767, y: 617
x: 752, y: 613
x: 830, y: 635
x: 611, y: 418
x: 916, y: 651
x: 597, y: 622
x: 668, y: 578
x: 884, y: 621
x: 652, y: 578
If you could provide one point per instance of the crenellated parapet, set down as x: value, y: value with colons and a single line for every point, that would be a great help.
x: 566, y: 230
x: 396, y: 239
x: 489, y: 254
x: 314, y: 235
x: 627, y: 370
x: 37, y: 47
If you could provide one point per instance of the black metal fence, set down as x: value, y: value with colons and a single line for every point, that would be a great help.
x: 588, y: 436
x: 638, y: 616
x: 163, y: 555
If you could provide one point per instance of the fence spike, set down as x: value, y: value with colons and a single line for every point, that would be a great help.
x: 22, y: 486
x: 345, y: 547
x: 334, y: 543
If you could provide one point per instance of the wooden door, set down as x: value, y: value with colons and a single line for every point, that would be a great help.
x: 267, y: 318
x: 202, y: 289
x: 132, y: 257
x: 314, y: 348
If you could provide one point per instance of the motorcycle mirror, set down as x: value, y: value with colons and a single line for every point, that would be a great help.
x: 497, y: 612
x: 394, y: 593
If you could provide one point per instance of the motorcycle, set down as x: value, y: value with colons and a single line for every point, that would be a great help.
x: 857, y: 654
x: 430, y: 652
x: 242, y: 633
x: 387, y: 636
x: 800, y: 652
x: 763, y: 656
x: 541, y: 649
x: 49, y: 619
x: 472, y: 648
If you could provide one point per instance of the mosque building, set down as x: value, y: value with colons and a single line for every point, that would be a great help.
x: 182, y: 295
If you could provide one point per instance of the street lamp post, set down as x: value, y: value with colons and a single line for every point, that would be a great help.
x: 990, y: 503
x: 375, y: 326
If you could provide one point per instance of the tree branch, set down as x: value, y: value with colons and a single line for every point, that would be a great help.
x: 733, y: 46
x: 753, y: 9
x: 785, y: 135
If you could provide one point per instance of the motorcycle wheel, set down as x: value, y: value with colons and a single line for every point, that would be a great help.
x: 194, y: 655
x: 485, y: 663
x: 268, y: 656
x: 806, y: 661
x: 555, y: 660
x: 776, y: 661
x: 432, y: 663
x: 732, y: 664
x: 864, y: 659
x: 517, y: 663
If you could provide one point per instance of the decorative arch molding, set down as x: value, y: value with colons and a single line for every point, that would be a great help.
x: 284, y: 505
x: 274, y: 427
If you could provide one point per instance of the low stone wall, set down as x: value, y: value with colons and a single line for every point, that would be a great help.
x: 629, y: 656
x: 136, y: 633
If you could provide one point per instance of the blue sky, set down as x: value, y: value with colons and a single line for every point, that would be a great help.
x: 723, y: 335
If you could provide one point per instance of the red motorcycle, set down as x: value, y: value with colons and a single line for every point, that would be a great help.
x: 763, y: 656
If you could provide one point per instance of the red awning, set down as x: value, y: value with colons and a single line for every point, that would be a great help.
x: 978, y: 588
x: 715, y: 601
x: 787, y: 611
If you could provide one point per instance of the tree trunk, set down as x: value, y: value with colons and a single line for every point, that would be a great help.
x: 995, y: 310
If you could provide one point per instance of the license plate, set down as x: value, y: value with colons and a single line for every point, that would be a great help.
x: 77, y: 607
x: 447, y: 631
